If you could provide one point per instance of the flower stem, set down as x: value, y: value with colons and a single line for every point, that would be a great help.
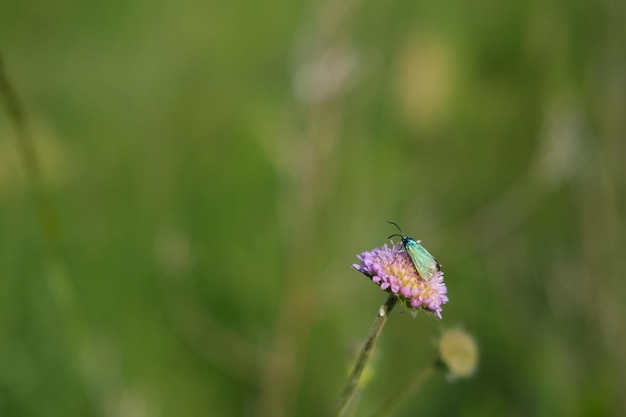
x: 405, y: 391
x: 372, y: 337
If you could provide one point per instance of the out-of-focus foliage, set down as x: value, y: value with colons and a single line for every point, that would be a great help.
x: 214, y: 167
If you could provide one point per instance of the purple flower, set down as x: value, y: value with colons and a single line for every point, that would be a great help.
x: 392, y: 270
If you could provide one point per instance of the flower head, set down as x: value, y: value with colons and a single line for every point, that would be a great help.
x: 458, y: 353
x: 391, y: 268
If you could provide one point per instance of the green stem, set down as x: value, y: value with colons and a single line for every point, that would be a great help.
x: 372, y: 337
x: 55, y: 271
x: 405, y: 391
x: 45, y: 210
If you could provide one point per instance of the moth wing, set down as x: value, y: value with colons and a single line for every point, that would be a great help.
x: 425, y: 263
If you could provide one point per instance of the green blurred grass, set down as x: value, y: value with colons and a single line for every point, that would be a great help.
x: 211, y: 207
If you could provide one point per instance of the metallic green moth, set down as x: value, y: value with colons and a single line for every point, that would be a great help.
x: 425, y: 263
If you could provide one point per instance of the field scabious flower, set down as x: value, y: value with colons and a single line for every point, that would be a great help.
x: 391, y: 268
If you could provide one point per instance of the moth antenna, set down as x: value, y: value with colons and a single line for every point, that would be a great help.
x: 398, y: 227
x: 395, y: 234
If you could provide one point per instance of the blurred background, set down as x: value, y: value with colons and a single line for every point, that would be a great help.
x: 206, y: 172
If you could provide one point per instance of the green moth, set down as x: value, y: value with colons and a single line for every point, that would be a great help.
x: 425, y: 263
